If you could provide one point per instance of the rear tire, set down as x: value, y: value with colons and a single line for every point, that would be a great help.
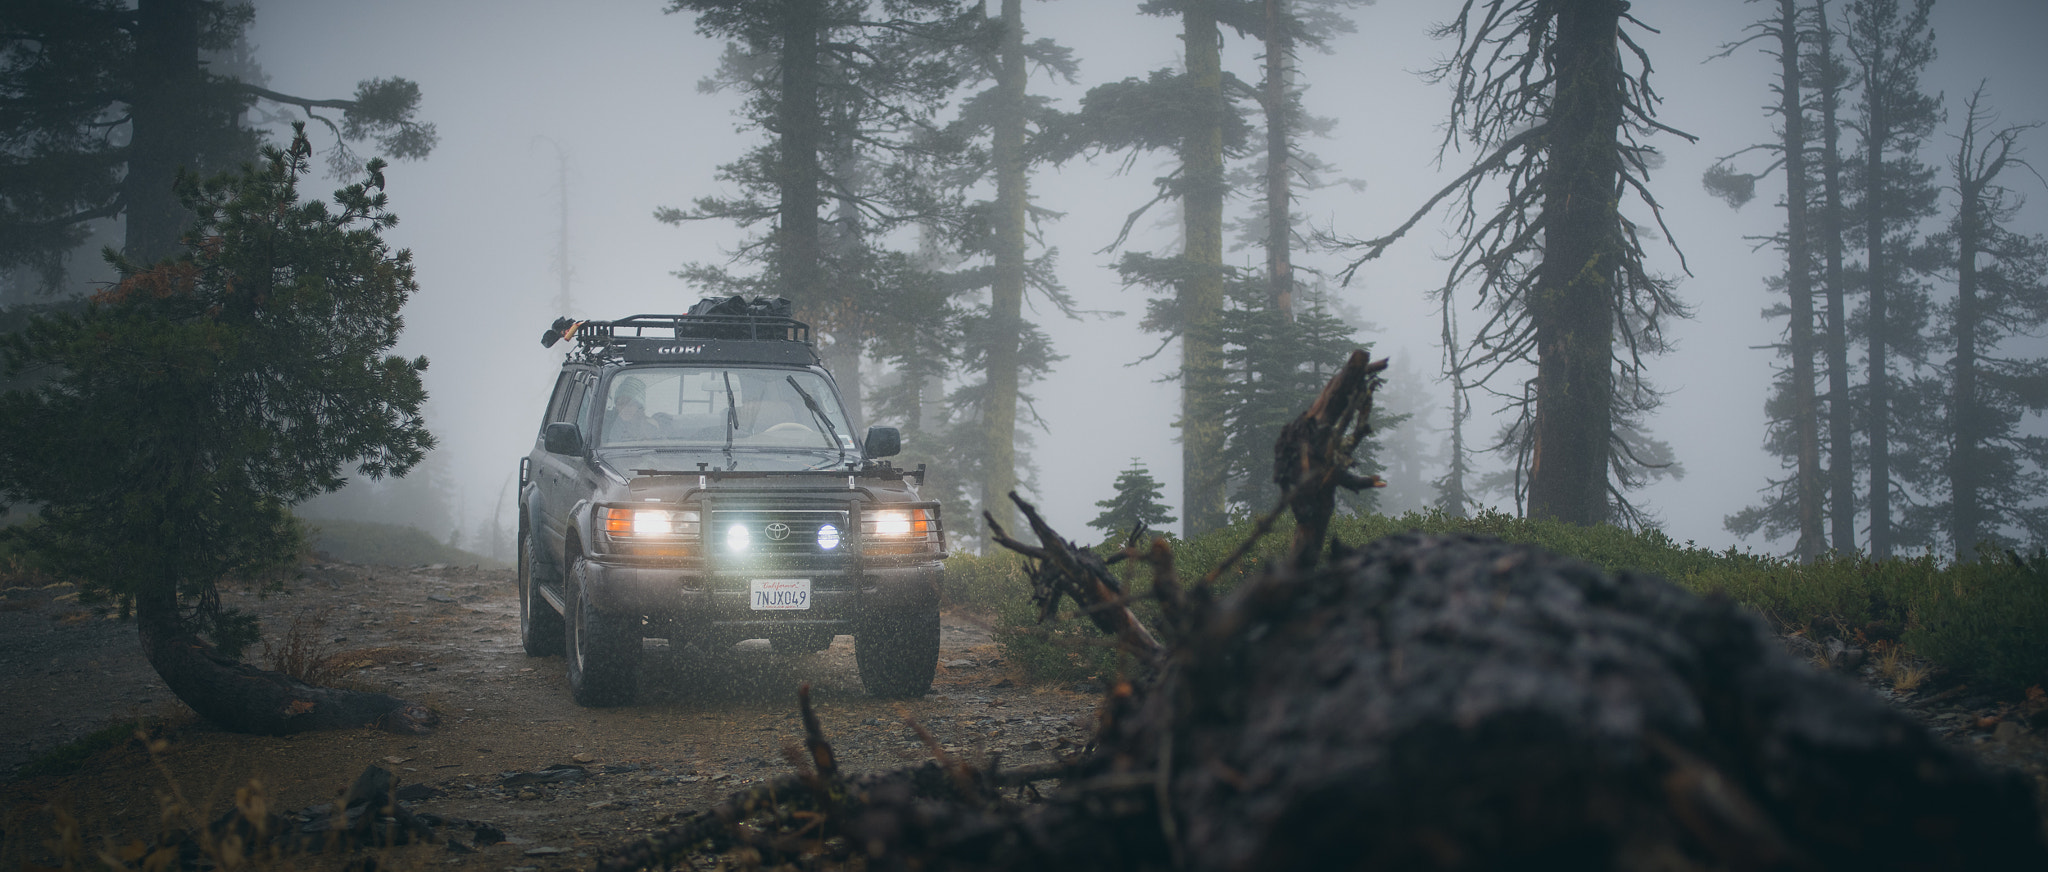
x: 603, y: 646
x: 540, y: 626
x: 898, y: 654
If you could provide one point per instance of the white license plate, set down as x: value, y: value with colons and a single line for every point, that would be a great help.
x: 779, y: 594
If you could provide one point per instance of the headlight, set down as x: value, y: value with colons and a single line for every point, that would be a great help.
x: 898, y: 522
x: 625, y: 523
x: 737, y: 537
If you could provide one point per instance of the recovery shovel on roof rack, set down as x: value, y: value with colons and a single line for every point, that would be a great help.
x: 562, y: 327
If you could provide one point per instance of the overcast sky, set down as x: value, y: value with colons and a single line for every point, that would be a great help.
x: 517, y: 87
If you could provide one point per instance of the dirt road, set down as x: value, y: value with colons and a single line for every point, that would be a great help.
x: 705, y: 726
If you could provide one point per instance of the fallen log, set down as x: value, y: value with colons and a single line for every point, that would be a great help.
x: 1458, y: 702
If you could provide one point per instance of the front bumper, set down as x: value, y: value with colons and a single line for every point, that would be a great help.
x: 692, y: 597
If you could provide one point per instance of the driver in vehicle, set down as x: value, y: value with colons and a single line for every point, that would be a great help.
x: 628, y: 419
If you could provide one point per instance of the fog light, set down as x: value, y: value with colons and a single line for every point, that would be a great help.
x: 736, y: 538
x: 828, y: 537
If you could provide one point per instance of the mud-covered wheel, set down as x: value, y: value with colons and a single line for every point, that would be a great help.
x: 897, y: 654
x: 540, y: 626
x: 603, y: 646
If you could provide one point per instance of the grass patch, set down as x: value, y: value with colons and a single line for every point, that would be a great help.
x: 371, y: 543
x: 1987, y: 620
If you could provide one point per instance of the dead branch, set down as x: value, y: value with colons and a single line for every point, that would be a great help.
x: 1312, y: 458
x: 1060, y: 568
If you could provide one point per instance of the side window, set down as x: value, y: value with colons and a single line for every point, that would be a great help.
x: 583, y: 413
x: 558, y: 405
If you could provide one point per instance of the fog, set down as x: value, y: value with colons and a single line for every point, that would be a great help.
x: 604, y: 95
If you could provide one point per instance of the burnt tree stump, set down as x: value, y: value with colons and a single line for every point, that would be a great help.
x: 1461, y: 703
x: 1431, y: 702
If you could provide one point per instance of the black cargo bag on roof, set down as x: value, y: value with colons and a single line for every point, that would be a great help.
x: 738, y: 306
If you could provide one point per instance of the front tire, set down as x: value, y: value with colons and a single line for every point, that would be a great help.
x: 898, y: 654
x: 603, y: 646
x: 540, y: 626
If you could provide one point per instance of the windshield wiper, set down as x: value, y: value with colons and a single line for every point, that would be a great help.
x: 732, y: 418
x: 832, y: 432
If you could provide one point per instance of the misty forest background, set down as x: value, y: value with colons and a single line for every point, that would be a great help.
x: 906, y: 171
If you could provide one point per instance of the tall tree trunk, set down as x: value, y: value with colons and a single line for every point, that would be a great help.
x: 1451, y: 497
x: 1965, y: 474
x: 797, y: 234
x: 1203, y: 478
x: 1877, y: 137
x: 1799, y: 287
x: 1279, y: 149
x: 166, y: 80
x: 1006, y: 293
x: 1841, y: 411
x: 840, y: 281
x: 1966, y: 517
x: 1572, y: 304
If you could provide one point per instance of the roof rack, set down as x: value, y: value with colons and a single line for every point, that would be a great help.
x: 727, y: 321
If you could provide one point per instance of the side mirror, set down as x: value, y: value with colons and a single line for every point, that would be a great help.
x: 562, y: 437
x: 884, y: 442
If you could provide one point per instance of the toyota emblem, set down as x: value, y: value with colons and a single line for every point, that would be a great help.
x: 777, y: 531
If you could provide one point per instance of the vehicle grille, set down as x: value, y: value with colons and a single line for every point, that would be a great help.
x: 778, y: 533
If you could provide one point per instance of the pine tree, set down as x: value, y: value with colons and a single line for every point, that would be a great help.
x: 1285, y: 26
x: 1277, y: 366
x: 848, y: 102
x: 101, y: 106
x: 1892, y: 192
x: 1136, y: 503
x: 1559, y: 272
x: 1994, y: 475
x: 1008, y: 351
x: 1828, y: 78
x: 1186, y: 113
x: 175, y: 422
x: 1797, y: 503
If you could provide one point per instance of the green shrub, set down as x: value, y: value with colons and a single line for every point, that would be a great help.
x: 983, y: 582
x: 1987, y: 620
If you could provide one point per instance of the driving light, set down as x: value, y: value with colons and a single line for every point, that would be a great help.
x: 736, y: 538
x: 828, y: 537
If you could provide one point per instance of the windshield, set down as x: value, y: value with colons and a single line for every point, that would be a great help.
x: 714, y: 406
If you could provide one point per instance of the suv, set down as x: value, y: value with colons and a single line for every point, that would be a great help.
x: 695, y: 479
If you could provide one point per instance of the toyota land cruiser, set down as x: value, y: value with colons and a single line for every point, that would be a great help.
x: 695, y: 478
